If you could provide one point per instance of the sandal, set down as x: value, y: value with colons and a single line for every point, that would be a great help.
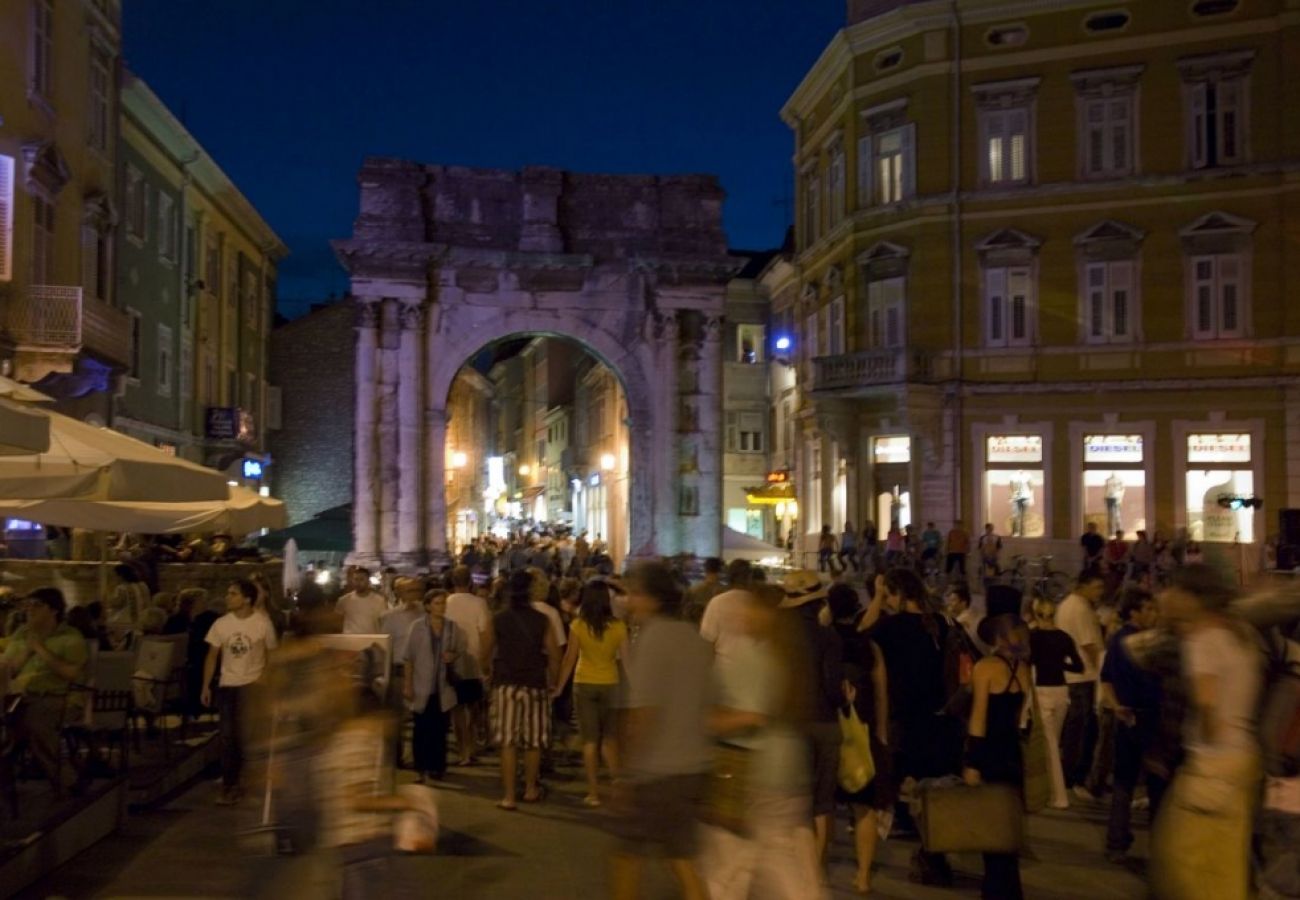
x: 508, y: 807
x: 591, y: 800
x: 536, y: 798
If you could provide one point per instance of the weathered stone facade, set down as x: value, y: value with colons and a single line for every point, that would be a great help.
x: 446, y: 260
x: 313, y: 363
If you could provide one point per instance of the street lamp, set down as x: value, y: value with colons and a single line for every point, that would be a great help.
x: 607, y: 461
x: 525, y: 470
x: 459, y: 459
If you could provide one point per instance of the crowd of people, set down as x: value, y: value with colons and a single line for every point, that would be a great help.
x: 1145, y: 700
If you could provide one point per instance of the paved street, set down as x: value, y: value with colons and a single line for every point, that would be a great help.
x: 554, y: 850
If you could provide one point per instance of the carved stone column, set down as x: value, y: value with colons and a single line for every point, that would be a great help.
x: 435, y: 447
x: 410, y: 376
x: 708, y: 537
x: 664, y: 437
x: 389, y: 471
x: 365, y: 498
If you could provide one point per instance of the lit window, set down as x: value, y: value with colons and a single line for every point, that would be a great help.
x: 749, y: 343
x: 1006, y: 146
x: 6, y: 217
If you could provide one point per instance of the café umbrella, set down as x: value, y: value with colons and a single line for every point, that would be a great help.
x: 22, y: 431
x: 243, y: 512
x: 85, y: 462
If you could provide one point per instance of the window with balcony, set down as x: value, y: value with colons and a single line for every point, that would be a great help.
x: 885, y: 297
x: 836, y: 327
x: 1217, y: 110
x: 42, y: 49
x: 165, y: 365
x: 100, y: 116
x: 6, y: 217
x: 167, y: 229
x: 749, y: 343
x: 1217, y: 250
x: 42, y: 238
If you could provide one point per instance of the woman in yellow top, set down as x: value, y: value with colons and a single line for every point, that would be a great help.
x: 596, y: 641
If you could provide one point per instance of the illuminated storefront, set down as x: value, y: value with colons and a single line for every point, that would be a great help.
x: 1114, y: 495
x: 891, y: 457
x: 1013, y: 484
x: 1220, y: 481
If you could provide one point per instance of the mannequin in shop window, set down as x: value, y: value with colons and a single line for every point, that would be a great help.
x: 1022, y: 497
x: 1114, y: 498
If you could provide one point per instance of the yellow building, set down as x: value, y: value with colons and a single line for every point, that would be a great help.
x: 60, y: 323
x: 1044, y: 266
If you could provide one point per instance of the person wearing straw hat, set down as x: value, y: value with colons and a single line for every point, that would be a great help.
x: 806, y: 595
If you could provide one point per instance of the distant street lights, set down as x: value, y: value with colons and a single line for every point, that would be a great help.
x: 607, y: 461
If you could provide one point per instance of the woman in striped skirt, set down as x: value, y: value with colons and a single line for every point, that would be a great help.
x: 525, y: 664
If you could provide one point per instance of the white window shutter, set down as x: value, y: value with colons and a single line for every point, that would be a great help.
x: 995, y: 292
x: 1230, y: 296
x: 6, y: 217
x: 1228, y: 97
x: 1203, y: 289
x: 1095, y: 301
x: 1121, y: 300
x: 909, y: 160
x: 1019, y: 326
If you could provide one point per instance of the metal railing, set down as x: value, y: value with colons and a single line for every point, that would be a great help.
x: 870, y: 367
x: 47, y: 316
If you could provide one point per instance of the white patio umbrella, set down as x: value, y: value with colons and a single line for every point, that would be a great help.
x: 245, y: 511
x: 22, y: 431
x: 88, y: 463
x: 292, y: 579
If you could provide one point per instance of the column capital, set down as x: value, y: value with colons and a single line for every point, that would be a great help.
x: 366, y: 312
x: 713, y: 327
x: 410, y: 316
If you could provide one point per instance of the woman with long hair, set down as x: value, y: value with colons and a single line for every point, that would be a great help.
x: 596, y: 640
x: 868, y: 693
x: 1053, y: 654
x: 1000, y: 684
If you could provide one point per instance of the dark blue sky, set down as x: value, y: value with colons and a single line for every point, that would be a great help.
x: 289, y: 96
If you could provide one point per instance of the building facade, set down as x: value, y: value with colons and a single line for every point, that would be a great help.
x: 1042, y: 270
x: 196, y: 275
x: 61, y: 323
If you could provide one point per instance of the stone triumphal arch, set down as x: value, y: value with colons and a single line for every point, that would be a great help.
x: 445, y: 260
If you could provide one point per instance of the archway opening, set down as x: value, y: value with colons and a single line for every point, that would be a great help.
x: 538, y: 447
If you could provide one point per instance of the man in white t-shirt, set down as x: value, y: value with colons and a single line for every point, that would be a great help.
x: 363, y: 606
x: 240, y: 640
x: 723, y: 624
x: 471, y: 614
x: 1077, y: 617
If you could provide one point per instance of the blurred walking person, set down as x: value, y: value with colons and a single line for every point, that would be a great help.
x: 1077, y: 617
x: 1200, y: 847
x: 597, y: 640
x: 765, y: 697
x: 668, y: 751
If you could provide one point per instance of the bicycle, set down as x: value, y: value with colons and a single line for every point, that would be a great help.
x: 1035, y: 575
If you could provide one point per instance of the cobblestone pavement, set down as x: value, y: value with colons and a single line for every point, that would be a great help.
x: 556, y: 849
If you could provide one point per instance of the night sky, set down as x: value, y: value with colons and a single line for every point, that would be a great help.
x: 289, y: 95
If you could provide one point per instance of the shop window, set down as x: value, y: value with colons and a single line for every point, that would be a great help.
x: 1114, y: 482
x: 746, y: 521
x: 1013, y: 485
x: 749, y: 343
x: 1219, y: 477
x: 891, y: 449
